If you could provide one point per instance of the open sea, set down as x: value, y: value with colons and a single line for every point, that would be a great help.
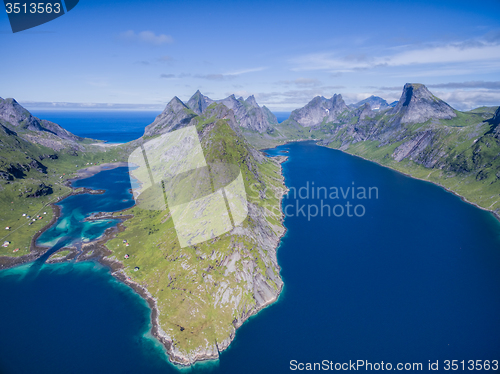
x: 113, y: 126
x: 415, y: 278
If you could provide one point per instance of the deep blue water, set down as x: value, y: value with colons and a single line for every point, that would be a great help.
x: 113, y: 126
x: 415, y: 279
x: 282, y: 116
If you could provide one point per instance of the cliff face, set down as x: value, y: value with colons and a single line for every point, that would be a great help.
x: 418, y: 105
x: 204, y: 292
x: 495, y: 121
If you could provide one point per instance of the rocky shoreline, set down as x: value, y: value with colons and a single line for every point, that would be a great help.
x: 177, y: 357
x: 97, y: 251
x: 7, y: 262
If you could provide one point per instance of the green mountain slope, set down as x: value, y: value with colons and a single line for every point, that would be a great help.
x: 203, y: 292
x: 37, y: 157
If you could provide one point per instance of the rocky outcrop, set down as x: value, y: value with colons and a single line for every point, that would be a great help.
x: 247, y: 112
x: 414, y: 146
x: 40, y: 190
x: 418, y: 105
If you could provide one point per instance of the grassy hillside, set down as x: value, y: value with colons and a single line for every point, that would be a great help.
x: 202, y: 291
x: 33, y: 177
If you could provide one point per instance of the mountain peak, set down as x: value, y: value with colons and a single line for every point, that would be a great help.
x: 18, y: 120
x: 249, y: 114
x: 176, y: 100
x: 14, y: 113
x: 251, y: 101
x: 199, y: 102
x: 417, y: 105
x: 175, y: 115
x: 376, y: 103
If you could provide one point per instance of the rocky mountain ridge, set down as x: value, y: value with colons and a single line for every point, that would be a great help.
x: 319, y: 110
x: 420, y: 135
x: 20, y: 121
x: 28, y: 143
x: 247, y: 112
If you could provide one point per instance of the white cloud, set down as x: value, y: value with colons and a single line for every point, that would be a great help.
x: 147, y: 37
x: 469, y: 99
x: 484, y: 53
x: 495, y: 85
x: 441, y: 55
x: 301, y: 82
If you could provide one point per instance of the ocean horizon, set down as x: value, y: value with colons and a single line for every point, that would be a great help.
x: 112, y: 126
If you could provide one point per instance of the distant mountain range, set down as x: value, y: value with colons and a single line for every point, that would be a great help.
x: 247, y: 113
x: 376, y: 103
x: 456, y: 149
x: 420, y: 135
x: 417, y: 131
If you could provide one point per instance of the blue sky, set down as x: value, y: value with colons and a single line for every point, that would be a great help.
x: 139, y: 54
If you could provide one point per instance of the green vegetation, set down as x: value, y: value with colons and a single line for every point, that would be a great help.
x: 60, y: 254
x: 200, y: 290
x: 38, y: 178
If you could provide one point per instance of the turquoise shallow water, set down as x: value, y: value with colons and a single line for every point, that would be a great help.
x: 416, y: 278
x: 71, y: 227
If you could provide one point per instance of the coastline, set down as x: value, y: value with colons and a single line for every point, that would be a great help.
x: 156, y: 330
x: 97, y: 251
x: 175, y: 356
x: 36, y: 251
x: 463, y: 198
